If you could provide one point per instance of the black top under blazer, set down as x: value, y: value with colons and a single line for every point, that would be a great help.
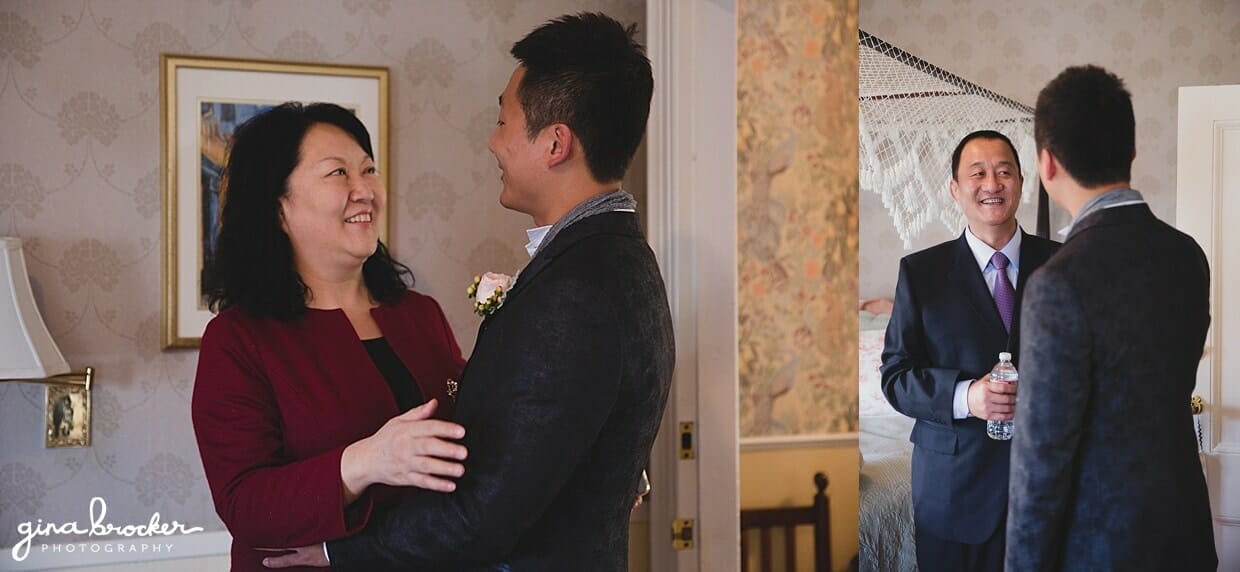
x: 945, y: 328
x: 560, y: 402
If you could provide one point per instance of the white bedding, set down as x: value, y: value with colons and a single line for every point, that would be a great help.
x: 886, y: 456
x: 886, y: 532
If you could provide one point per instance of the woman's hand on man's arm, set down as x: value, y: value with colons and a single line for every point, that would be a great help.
x: 410, y: 450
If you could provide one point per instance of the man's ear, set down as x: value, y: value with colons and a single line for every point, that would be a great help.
x: 561, y: 144
x: 954, y: 187
x: 280, y: 213
x: 1048, y: 166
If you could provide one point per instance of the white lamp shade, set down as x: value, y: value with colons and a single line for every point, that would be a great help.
x: 26, y: 348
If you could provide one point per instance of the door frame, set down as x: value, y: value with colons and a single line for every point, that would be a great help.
x: 692, y: 230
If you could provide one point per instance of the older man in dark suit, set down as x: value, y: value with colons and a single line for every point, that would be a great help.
x: 1105, y: 473
x: 570, y: 373
x: 955, y: 311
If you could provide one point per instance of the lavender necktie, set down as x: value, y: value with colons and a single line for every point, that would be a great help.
x: 1005, y: 294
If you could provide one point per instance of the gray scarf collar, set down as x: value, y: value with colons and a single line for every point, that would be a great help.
x: 1112, y: 198
x: 598, y: 204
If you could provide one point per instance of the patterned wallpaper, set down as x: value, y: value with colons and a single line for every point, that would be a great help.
x: 797, y: 193
x: 80, y: 184
x: 1015, y: 48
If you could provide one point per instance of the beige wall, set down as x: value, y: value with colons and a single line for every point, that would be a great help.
x: 784, y: 477
x: 79, y: 181
x: 1015, y: 48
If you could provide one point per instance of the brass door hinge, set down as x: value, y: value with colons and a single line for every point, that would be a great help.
x: 686, y: 440
x: 682, y: 533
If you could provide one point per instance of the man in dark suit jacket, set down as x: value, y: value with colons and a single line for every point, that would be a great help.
x: 1105, y: 473
x: 945, y: 335
x: 564, y: 392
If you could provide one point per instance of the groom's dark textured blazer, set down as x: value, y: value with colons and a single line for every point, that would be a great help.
x: 560, y: 403
x: 1105, y: 474
x: 945, y: 328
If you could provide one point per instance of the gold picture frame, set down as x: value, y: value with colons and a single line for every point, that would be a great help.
x: 201, y: 100
x: 67, y: 416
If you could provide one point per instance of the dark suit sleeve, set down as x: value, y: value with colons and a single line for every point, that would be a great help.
x: 914, y: 385
x: 561, y: 373
x: 1050, y: 414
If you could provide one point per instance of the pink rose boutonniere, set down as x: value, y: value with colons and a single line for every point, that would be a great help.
x: 489, y: 291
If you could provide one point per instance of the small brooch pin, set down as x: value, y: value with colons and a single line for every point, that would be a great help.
x: 488, y: 292
x: 452, y: 387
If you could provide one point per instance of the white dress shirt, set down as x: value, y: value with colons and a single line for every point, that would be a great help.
x: 536, y: 236
x: 982, y: 253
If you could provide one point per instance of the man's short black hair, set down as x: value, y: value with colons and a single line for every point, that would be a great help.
x: 1084, y: 117
x: 586, y: 71
x: 983, y: 134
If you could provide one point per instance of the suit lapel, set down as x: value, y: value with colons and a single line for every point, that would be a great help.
x: 1032, y: 255
x: 531, y: 270
x: 527, y: 275
x: 968, y: 281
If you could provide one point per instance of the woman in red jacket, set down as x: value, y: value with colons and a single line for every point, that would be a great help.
x: 318, y: 346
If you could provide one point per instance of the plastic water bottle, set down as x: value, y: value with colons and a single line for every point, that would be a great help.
x: 1004, y: 372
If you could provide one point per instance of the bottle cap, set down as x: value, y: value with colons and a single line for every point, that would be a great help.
x: 1005, y: 356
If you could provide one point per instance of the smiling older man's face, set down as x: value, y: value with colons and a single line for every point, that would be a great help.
x: 987, y: 184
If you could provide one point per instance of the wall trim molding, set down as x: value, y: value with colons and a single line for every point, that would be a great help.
x: 217, y: 543
x: 833, y: 440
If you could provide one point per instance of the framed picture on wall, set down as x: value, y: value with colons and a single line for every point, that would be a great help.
x: 202, y: 101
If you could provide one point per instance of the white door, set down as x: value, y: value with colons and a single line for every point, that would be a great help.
x: 1207, y: 207
x: 692, y: 229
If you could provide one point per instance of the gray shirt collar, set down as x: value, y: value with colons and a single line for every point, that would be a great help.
x: 618, y: 200
x: 1110, y: 199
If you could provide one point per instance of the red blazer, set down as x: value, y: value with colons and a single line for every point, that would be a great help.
x: 275, y: 403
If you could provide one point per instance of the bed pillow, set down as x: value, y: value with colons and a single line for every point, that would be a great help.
x: 869, y: 355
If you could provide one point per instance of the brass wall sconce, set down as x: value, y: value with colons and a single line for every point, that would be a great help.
x: 29, y: 355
